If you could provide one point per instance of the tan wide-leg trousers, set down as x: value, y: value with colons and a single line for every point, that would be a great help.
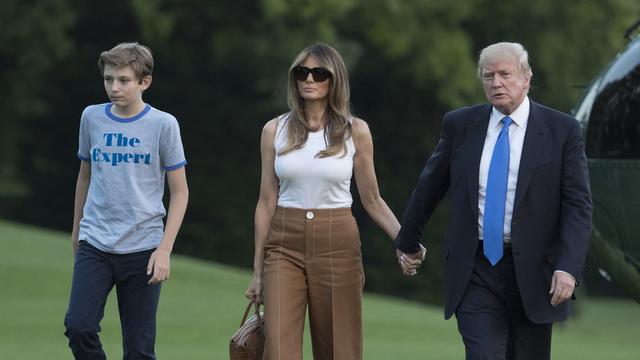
x: 312, y: 257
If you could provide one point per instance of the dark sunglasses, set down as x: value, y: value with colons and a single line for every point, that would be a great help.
x: 301, y: 73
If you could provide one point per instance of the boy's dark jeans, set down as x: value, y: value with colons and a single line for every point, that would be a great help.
x: 94, y: 275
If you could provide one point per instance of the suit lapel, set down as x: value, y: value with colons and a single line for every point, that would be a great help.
x: 534, y: 141
x: 476, y: 134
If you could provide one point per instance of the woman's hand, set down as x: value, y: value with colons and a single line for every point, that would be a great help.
x: 409, y: 263
x: 254, y: 291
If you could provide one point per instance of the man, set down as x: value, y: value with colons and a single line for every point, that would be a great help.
x: 520, y: 213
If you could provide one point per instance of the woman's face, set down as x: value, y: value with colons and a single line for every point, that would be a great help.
x: 310, y: 89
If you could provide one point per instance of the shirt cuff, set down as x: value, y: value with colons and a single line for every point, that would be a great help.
x: 574, y: 279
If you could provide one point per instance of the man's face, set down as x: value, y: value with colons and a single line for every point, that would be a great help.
x: 505, y: 86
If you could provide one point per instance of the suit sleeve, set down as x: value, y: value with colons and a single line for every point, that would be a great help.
x: 433, y: 184
x: 576, y: 207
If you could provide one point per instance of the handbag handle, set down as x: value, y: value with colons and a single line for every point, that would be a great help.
x: 246, y: 312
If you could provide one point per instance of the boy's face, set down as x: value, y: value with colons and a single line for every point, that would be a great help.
x: 122, y: 86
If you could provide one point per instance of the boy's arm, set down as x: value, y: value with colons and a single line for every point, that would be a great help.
x: 82, y: 187
x: 159, y: 262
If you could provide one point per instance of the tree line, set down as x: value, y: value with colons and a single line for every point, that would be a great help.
x: 221, y: 70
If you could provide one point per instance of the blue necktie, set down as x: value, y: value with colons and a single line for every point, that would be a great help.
x: 493, y: 222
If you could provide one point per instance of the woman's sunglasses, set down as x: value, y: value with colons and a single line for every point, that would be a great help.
x: 301, y: 73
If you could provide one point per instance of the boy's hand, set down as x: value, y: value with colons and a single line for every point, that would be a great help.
x: 159, y: 265
x: 74, y: 245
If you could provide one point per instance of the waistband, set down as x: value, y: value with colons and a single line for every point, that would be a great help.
x: 505, y: 245
x: 313, y: 214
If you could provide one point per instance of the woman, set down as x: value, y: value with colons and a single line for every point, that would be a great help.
x: 307, y: 246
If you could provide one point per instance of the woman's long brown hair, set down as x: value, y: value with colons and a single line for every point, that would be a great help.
x: 338, y: 113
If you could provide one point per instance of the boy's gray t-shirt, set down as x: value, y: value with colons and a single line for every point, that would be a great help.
x: 129, y: 159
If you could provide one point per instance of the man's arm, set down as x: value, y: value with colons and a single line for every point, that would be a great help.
x: 431, y: 188
x: 576, y: 207
x: 575, y: 221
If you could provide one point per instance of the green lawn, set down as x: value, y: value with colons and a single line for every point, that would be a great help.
x: 202, y: 304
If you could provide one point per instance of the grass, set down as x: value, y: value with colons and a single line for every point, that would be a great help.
x: 202, y: 304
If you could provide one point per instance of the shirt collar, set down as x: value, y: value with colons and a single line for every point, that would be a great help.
x: 519, y: 117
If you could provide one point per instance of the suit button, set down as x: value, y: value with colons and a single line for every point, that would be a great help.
x: 516, y: 253
x: 310, y: 215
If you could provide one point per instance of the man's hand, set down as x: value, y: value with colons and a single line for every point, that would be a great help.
x: 409, y: 263
x: 159, y: 265
x: 562, y: 286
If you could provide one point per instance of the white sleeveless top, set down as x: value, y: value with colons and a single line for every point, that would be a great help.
x: 310, y: 182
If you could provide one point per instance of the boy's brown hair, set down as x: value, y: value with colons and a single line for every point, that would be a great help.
x: 137, y: 56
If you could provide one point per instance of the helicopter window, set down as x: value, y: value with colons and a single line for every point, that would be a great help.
x: 614, y: 125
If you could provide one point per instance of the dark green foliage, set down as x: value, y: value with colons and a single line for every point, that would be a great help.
x: 221, y: 70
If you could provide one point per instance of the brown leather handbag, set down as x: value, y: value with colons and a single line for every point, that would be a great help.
x: 248, y: 342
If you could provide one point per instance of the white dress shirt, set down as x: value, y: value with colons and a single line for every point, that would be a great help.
x: 517, y: 130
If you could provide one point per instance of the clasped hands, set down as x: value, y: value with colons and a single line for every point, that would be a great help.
x: 409, y: 263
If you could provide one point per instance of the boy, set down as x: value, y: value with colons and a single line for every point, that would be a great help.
x: 126, y: 147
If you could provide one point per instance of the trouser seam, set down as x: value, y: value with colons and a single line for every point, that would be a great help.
x: 333, y: 343
x: 278, y: 277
